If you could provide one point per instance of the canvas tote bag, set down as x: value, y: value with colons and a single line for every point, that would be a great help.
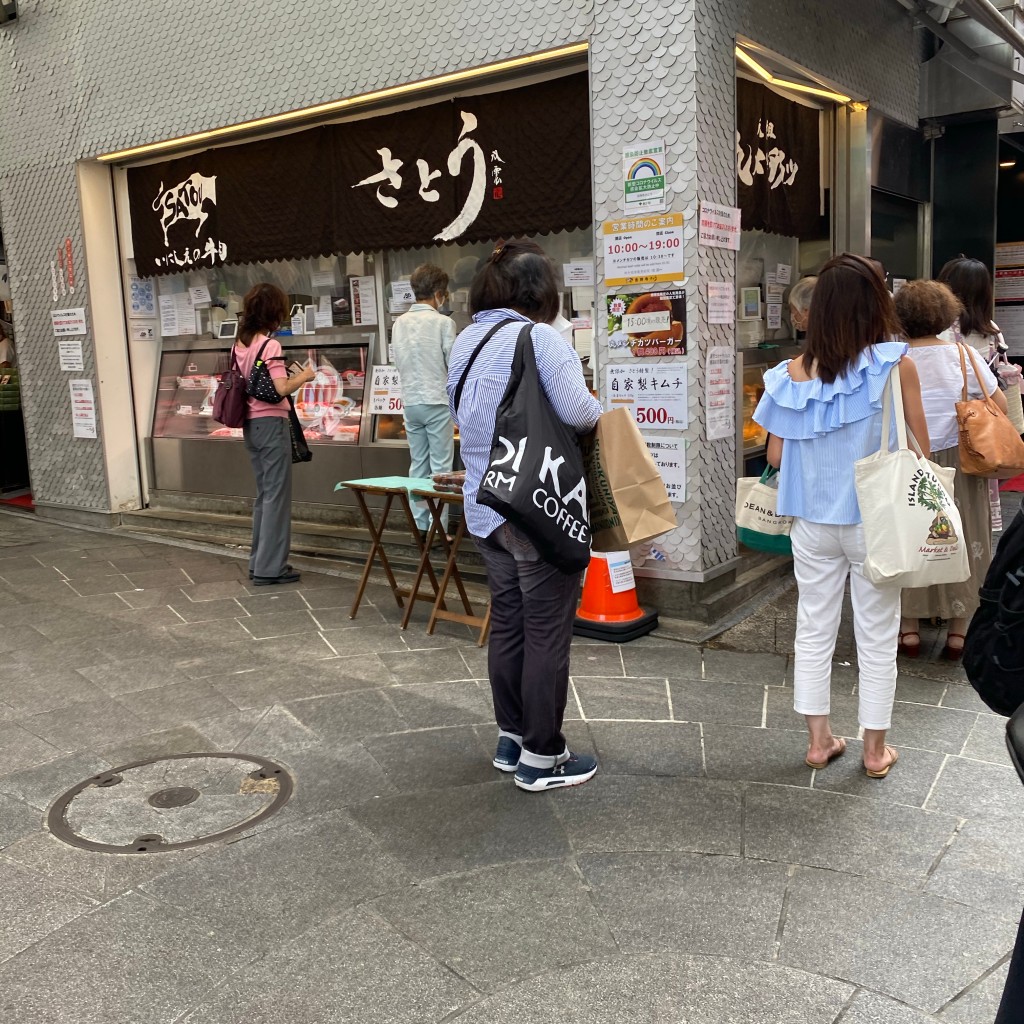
x: 627, y: 498
x: 912, y: 528
x: 758, y: 523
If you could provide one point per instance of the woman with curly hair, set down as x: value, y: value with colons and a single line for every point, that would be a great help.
x: 926, y: 308
x: 267, y: 434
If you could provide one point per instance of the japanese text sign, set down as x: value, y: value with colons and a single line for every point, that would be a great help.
x: 719, y: 226
x: 385, y: 391
x: 654, y: 393
x: 643, y: 250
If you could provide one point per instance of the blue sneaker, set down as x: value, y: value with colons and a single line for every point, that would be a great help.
x: 506, y: 757
x: 574, y: 772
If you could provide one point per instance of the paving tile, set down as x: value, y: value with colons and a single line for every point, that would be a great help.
x: 269, y: 888
x: 433, y: 759
x: 848, y: 927
x: 476, y: 661
x: 620, y: 813
x: 57, y: 978
x: 279, y: 623
x: 648, y: 748
x: 183, y: 739
x: 438, y: 665
x: 596, y: 659
x: 81, y: 726
x: 22, y: 747
x: 159, y: 579
x: 167, y: 706
x: 428, y: 831
x: 668, y: 987
x: 33, y: 906
x: 208, y: 611
x: 207, y: 634
x: 87, y: 586
x: 264, y: 603
x: 941, y: 729
x: 966, y: 698
x: 871, y: 1008
x: 731, y: 667
x: 842, y: 833
x: 972, y: 789
x: 295, y: 650
x: 348, y: 715
x: 17, y: 820
x: 120, y: 677
x: 455, y: 919
x: 216, y: 572
x: 152, y: 642
x: 431, y: 705
x: 40, y: 785
x: 909, y: 782
x: 978, y: 1004
x: 684, y: 902
x: 919, y: 691
x: 711, y: 701
x: 622, y: 698
x: 355, y: 967
x: 674, y: 662
x: 151, y: 598
x: 337, y: 596
x: 987, y: 741
x: 228, y: 732
x: 756, y: 755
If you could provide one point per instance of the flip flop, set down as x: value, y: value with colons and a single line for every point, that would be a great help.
x: 818, y: 765
x: 881, y: 774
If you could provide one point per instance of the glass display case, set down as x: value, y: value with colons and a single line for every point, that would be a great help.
x: 330, y: 408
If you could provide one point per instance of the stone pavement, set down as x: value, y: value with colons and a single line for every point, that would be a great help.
x: 704, y: 876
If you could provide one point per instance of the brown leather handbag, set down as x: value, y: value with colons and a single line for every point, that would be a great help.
x: 990, y: 446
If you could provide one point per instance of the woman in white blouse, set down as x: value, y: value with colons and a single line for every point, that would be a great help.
x: 925, y: 308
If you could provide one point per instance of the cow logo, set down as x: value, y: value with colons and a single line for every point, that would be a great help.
x: 186, y: 201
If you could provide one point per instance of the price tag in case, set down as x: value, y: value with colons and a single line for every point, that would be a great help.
x: 385, y: 391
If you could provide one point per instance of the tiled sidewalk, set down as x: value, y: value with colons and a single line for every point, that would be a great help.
x: 705, y: 875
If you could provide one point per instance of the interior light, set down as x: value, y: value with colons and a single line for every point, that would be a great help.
x: 336, y: 106
x: 785, y: 83
x: 1007, y: 163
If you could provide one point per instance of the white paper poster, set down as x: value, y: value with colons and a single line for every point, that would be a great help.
x: 721, y: 302
x: 783, y: 273
x: 142, y: 298
x: 70, y: 352
x: 364, y: 301
x: 322, y: 280
x: 83, y: 408
x: 669, y: 454
x: 643, y: 250
x: 719, y: 226
x: 186, y: 313
x: 620, y: 571
x: 168, y: 316
x: 774, y: 315
x: 578, y: 273
x: 720, y: 393
x: 143, y: 332
x: 385, y: 391
x: 199, y: 294
x: 643, y: 177
x: 655, y: 393
x: 68, y: 321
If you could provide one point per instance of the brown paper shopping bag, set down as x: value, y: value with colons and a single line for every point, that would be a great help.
x: 625, y: 493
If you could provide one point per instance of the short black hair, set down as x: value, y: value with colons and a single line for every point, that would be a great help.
x: 427, y: 280
x: 518, y: 275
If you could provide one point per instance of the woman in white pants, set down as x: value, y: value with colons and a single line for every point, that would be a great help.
x: 823, y: 412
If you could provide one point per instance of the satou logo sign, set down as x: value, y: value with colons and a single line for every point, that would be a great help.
x: 189, y: 200
x: 548, y: 495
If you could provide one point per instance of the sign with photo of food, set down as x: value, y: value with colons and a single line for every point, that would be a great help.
x: 647, y: 324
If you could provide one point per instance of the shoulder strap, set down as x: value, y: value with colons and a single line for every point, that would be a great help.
x: 977, y: 374
x: 472, y: 359
x: 259, y: 355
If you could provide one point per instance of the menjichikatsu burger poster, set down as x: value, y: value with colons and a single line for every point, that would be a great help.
x: 647, y: 324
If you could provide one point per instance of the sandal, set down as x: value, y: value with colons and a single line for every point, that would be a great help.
x: 951, y: 653
x: 818, y: 765
x: 882, y: 772
x: 909, y: 650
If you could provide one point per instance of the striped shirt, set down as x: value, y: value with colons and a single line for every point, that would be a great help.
x: 561, y: 377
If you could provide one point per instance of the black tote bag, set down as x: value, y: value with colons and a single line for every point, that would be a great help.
x: 535, y: 476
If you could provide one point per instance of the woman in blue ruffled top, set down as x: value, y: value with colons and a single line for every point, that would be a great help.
x: 823, y: 413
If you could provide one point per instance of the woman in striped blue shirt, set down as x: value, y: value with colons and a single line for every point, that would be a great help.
x: 823, y: 412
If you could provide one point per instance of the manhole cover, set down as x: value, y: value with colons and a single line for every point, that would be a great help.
x: 170, y: 803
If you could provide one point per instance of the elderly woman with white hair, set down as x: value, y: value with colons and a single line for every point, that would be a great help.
x: 800, y: 302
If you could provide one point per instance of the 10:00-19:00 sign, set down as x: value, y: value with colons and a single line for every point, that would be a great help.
x: 616, y: 248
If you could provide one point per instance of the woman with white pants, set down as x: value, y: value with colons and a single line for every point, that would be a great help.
x: 823, y: 412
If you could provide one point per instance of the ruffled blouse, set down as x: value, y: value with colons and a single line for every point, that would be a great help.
x: 827, y: 428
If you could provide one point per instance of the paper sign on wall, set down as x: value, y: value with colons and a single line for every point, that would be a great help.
x: 385, y: 391
x: 654, y: 393
x: 720, y: 393
x: 83, y: 408
x: 774, y: 316
x: 70, y: 353
x: 68, y: 321
x: 364, y: 301
x: 142, y: 297
x: 643, y: 250
x: 199, y: 294
x: 643, y: 177
x: 719, y: 226
x: 721, y: 302
x: 577, y: 273
x: 783, y: 273
x: 669, y: 454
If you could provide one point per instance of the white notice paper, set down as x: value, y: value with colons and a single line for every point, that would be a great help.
x: 783, y: 273
x: 719, y: 226
x: 322, y: 280
x: 721, y: 302
x: 364, y: 301
x: 83, y: 408
x: 577, y: 273
x: 168, y: 316
x: 654, y: 393
x: 620, y: 571
x: 186, y: 313
x: 68, y: 321
x: 70, y: 352
x: 774, y: 315
x: 669, y: 454
x: 200, y: 295
x: 385, y: 391
x: 143, y: 297
x: 720, y: 393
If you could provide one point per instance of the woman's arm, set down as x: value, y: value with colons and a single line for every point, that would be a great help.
x: 913, y: 407
x: 289, y: 385
x: 774, y: 451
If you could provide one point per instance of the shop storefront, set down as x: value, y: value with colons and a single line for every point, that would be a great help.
x: 338, y: 215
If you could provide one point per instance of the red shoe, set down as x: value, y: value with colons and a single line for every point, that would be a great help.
x: 950, y: 653
x: 909, y: 650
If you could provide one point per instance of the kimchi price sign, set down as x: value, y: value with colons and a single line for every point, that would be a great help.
x: 643, y: 250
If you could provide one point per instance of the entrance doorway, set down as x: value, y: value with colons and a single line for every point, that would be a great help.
x: 14, y: 478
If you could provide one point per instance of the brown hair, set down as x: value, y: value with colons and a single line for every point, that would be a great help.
x: 925, y: 308
x: 971, y: 283
x: 264, y: 309
x: 427, y: 280
x: 851, y: 311
x: 517, y: 275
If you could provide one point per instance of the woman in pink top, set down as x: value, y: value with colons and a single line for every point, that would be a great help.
x: 268, y: 435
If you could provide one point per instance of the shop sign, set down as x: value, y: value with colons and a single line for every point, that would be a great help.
x: 719, y: 226
x: 643, y: 250
x: 471, y: 169
x: 643, y: 174
x: 777, y: 162
x: 386, y: 391
x: 650, y: 324
x: 654, y: 394
x: 68, y: 321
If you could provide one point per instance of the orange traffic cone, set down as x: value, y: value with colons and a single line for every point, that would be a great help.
x: 609, y: 609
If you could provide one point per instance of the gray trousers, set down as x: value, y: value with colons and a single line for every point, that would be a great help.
x: 269, y: 444
x: 533, y: 605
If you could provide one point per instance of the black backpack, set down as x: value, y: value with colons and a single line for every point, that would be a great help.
x: 994, y: 649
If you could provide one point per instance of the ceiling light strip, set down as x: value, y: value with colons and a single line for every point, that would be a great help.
x: 336, y: 106
x: 785, y: 83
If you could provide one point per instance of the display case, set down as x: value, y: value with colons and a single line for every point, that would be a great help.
x: 330, y: 408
